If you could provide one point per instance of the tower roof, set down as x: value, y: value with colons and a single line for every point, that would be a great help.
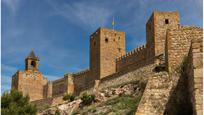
x: 32, y: 55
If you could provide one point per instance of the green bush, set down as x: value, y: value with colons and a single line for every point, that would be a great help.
x: 87, y: 99
x: 57, y: 112
x: 68, y: 97
x: 14, y: 103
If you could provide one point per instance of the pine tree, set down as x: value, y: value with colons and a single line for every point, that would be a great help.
x: 14, y: 103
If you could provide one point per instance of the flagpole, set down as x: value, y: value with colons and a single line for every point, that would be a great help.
x: 113, y: 23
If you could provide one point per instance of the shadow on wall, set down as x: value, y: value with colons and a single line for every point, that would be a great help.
x: 179, y: 101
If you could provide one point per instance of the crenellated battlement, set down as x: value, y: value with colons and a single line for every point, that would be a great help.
x: 167, y: 43
x: 85, y: 71
x: 189, y: 27
x: 131, y: 53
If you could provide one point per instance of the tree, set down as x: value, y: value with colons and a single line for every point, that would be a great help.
x: 14, y: 103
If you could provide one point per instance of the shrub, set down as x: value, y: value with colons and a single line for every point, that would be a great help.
x: 87, y: 99
x: 68, y: 97
x: 14, y: 103
x: 57, y: 112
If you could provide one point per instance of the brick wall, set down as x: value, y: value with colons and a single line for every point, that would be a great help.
x: 178, y: 44
x: 195, y: 75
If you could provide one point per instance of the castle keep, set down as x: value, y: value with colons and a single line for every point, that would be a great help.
x: 167, y: 44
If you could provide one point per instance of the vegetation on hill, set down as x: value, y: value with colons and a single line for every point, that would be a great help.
x: 119, y: 100
x: 68, y: 97
x: 14, y: 103
x: 87, y: 99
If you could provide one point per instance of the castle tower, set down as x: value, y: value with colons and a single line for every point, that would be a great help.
x: 105, y: 46
x: 30, y: 81
x: 156, y: 28
x: 31, y: 61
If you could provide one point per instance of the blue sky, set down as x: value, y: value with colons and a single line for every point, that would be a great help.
x: 58, y: 30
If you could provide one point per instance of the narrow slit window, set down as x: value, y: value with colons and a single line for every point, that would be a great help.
x: 106, y: 40
x: 166, y: 21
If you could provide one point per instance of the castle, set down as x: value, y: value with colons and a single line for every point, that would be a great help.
x: 167, y: 43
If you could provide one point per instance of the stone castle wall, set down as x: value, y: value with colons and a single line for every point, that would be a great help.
x: 156, y: 94
x: 59, y: 87
x: 110, y: 65
x: 31, y: 83
x: 168, y: 93
x: 195, y: 75
x: 178, y: 45
x: 125, y: 76
x: 82, y: 81
x: 94, y: 54
x: 156, y: 28
x: 105, y: 46
x: 136, y: 58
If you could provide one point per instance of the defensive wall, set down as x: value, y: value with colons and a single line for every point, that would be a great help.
x: 82, y: 81
x: 136, y: 57
x: 195, y: 75
x: 167, y: 43
x: 59, y: 86
x: 30, y: 85
x: 178, y: 44
x: 179, y: 92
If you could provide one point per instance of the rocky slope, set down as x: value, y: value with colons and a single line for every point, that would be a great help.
x: 122, y: 99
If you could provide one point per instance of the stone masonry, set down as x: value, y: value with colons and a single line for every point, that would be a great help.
x: 194, y: 72
x: 167, y: 45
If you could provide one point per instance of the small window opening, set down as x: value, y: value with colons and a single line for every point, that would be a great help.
x: 106, y: 40
x: 33, y: 64
x: 118, y: 38
x: 166, y: 21
x: 94, y: 43
x: 113, y: 39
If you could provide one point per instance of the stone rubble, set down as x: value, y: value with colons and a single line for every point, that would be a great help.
x: 67, y: 108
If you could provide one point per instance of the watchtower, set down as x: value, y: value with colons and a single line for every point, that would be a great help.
x: 105, y: 46
x: 30, y: 81
x: 31, y: 61
x: 156, y: 28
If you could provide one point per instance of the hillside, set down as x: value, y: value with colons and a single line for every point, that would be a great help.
x: 120, y: 99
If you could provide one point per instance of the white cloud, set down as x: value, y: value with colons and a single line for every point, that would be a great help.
x: 83, y: 14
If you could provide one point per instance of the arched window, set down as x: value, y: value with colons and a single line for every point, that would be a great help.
x: 33, y: 64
